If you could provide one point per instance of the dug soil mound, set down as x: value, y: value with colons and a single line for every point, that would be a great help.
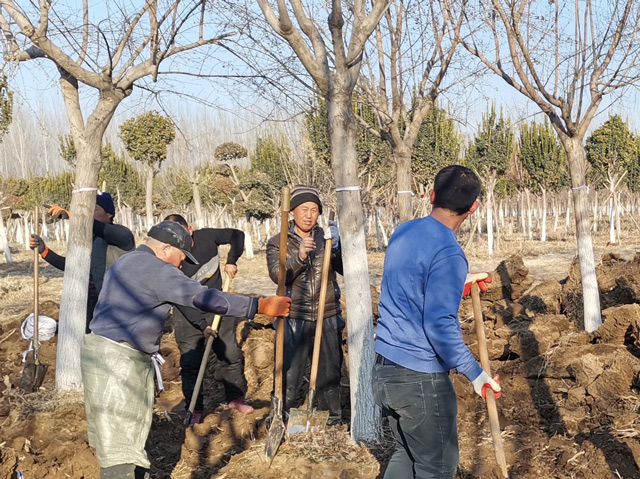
x: 570, y: 407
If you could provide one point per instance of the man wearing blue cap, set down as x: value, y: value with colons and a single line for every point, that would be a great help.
x: 110, y: 241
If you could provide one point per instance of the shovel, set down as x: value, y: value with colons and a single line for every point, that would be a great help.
x: 205, y: 358
x: 494, y: 423
x: 309, y: 418
x: 34, y: 371
x: 276, y: 430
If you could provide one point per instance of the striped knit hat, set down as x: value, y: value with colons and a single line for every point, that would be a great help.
x: 302, y: 194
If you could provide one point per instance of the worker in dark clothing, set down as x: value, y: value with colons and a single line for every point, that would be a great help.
x: 121, y: 354
x: 189, y: 324
x: 110, y: 241
x: 305, y: 251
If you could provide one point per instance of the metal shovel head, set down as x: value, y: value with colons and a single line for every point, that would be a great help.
x: 274, y: 437
x: 306, y: 420
x: 32, y: 376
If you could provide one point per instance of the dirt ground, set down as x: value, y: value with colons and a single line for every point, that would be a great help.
x: 570, y: 407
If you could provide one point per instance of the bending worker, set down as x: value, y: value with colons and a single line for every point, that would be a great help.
x: 118, y: 358
x: 110, y: 241
x: 305, y: 251
x: 190, y: 324
x: 418, y: 333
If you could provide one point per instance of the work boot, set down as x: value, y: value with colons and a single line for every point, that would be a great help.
x: 240, y: 405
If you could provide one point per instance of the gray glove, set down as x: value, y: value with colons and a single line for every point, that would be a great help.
x: 36, y: 242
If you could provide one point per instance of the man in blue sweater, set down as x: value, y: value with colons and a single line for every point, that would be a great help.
x: 121, y: 354
x: 418, y: 334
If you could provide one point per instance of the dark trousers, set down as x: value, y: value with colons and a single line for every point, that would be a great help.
x: 227, y: 356
x: 422, y: 410
x: 124, y: 471
x: 298, y: 348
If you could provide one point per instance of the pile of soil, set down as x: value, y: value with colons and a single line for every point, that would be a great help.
x: 569, y: 408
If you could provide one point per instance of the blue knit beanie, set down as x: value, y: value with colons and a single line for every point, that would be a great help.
x: 105, y: 201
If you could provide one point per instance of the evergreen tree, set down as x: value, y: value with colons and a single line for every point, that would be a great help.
x: 611, y: 149
x: 438, y: 145
x: 146, y: 138
x: 542, y: 157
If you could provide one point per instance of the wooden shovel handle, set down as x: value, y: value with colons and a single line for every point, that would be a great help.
x: 207, y: 352
x: 494, y: 422
x: 284, y: 228
x: 36, y: 288
x: 315, y: 359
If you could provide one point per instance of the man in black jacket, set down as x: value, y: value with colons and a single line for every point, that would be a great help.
x: 110, y: 241
x: 190, y: 325
x: 305, y: 251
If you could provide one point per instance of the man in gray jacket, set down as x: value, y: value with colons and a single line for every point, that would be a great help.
x: 119, y: 358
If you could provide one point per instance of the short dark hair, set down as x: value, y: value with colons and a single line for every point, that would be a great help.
x: 178, y: 219
x: 456, y: 187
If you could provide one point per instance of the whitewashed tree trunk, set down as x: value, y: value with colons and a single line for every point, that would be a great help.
x: 149, y: 196
x: 612, y: 229
x: 595, y: 212
x: 618, y: 214
x: 543, y: 228
x: 4, y: 241
x: 522, y: 214
x: 568, y: 214
x: 490, y: 184
x: 342, y: 128
x: 197, y: 203
x: 576, y: 157
x: 529, y: 213
x: 556, y: 212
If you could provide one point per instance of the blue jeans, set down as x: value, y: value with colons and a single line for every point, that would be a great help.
x: 422, y: 409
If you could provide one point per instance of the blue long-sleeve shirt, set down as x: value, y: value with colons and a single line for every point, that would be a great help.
x: 138, y: 292
x: 424, y: 274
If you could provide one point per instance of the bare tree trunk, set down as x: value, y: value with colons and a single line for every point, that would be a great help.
x: 342, y: 129
x: 595, y: 212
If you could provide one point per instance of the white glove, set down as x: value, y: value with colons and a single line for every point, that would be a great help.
x: 335, y: 234
x: 484, y: 381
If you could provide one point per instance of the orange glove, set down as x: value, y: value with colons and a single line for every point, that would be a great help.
x: 274, y: 306
x: 481, y: 278
x: 35, y: 242
x: 58, y: 212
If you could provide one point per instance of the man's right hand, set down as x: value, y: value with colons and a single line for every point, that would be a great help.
x: 36, y: 242
x: 209, y: 332
x: 274, y: 306
x: 307, y: 245
x: 58, y: 213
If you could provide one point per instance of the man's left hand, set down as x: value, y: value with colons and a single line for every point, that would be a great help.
x: 230, y: 270
x: 481, y: 278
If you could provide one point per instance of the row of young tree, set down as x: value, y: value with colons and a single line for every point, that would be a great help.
x: 510, y: 160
